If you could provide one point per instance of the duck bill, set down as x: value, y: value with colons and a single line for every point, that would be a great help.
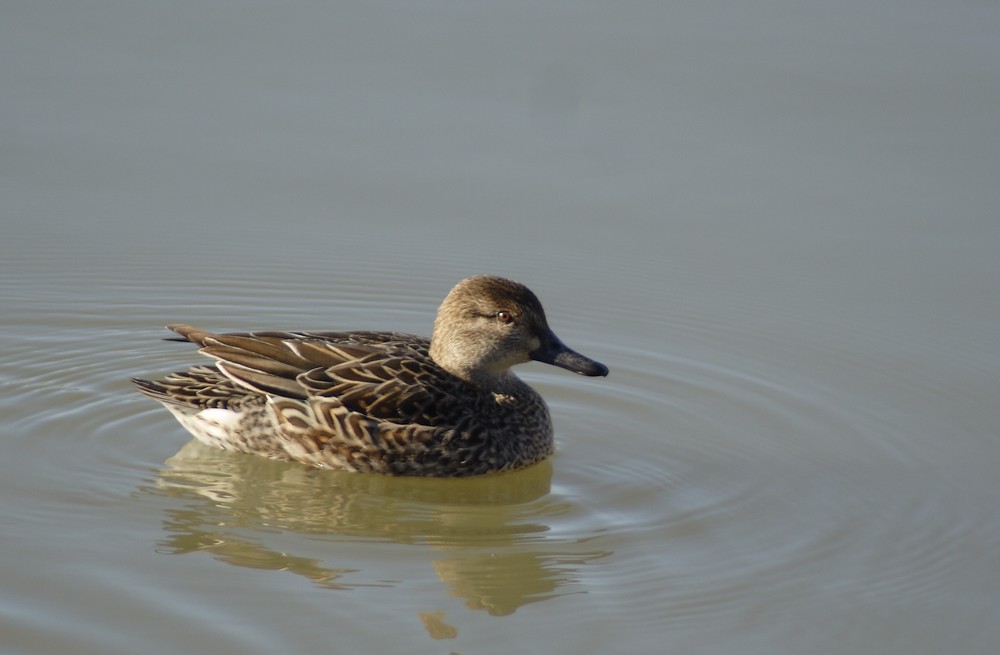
x: 553, y: 351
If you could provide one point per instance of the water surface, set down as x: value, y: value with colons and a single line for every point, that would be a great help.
x: 776, y: 225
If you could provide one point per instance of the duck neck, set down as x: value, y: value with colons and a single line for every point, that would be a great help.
x: 496, y: 381
x: 502, y: 382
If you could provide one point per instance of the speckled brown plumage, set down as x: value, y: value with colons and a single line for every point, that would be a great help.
x: 381, y: 402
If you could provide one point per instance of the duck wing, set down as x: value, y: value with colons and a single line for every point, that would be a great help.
x: 382, y: 375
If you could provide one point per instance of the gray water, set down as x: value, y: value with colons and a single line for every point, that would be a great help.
x: 776, y: 222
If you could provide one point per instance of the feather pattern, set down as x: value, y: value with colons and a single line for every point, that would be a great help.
x: 380, y: 401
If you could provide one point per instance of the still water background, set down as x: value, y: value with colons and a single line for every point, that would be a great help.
x: 777, y: 223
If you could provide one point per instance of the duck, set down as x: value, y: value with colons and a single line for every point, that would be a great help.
x: 381, y: 402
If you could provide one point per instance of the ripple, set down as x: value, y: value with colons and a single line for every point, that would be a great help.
x: 712, y: 483
x: 683, y: 486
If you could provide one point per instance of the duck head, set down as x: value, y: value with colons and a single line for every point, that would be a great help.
x: 487, y: 324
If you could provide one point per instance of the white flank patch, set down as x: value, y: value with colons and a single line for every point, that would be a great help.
x: 221, y: 417
x: 215, y: 427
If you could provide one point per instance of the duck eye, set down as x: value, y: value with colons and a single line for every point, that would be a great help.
x: 503, y: 316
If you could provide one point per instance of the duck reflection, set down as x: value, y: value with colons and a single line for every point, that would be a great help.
x: 488, y: 534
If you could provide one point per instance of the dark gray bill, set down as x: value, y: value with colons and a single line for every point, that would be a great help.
x: 553, y: 351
